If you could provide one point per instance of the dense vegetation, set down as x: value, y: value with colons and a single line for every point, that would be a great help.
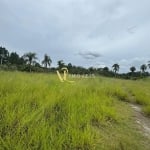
x: 37, y: 112
x: 28, y: 62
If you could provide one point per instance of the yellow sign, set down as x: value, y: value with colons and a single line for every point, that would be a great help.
x: 64, y: 78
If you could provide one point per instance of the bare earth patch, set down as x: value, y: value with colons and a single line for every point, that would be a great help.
x: 142, y: 121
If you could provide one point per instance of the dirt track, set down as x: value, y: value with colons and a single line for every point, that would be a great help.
x: 142, y: 121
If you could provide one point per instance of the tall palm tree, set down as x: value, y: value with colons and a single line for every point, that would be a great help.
x: 30, y: 58
x: 115, y: 68
x: 143, y: 68
x: 132, y: 69
x: 47, y: 61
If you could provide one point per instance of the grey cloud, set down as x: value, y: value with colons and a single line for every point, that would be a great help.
x: 132, y: 29
x: 118, y: 29
x: 89, y: 55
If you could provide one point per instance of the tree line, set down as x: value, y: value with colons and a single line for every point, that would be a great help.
x: 28, y: 62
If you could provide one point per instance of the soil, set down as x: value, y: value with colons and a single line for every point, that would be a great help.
x: 142, y: 121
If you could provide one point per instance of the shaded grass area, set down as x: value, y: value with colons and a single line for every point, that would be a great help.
x: 37, y: 112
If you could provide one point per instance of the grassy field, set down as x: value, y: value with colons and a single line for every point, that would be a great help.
x: 37, y: 112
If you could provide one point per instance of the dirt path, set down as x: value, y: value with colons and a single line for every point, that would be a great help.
x: 142, y: 121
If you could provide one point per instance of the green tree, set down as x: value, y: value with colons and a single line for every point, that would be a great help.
x: 4, y: 54
x: 14, y: 58
x: 143, y: 68
x: 115, y: 68
x: 148, y: 64
x: 47, y: 61
x: 91, y: 69
x: 106, y: 69
x: 30, y: 59
x: 70, y: 67
x: 60, y: 64
x: 132, y: 69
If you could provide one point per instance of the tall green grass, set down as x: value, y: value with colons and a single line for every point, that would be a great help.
x: 138, y: 92
x: 37, y: 112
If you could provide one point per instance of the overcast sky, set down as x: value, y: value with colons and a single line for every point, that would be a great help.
x: 84, y: 32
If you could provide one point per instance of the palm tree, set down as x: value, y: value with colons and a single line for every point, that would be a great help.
x: 60, y: 64
x: 143, y: 68
x: 132, y: 69
x: 115, y: 68
x: 30, y: 58
x: 47, y: 60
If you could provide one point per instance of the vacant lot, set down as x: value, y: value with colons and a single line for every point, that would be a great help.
x: 37, y: 112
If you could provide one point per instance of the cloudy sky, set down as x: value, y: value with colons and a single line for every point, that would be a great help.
x: 84, y: 32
